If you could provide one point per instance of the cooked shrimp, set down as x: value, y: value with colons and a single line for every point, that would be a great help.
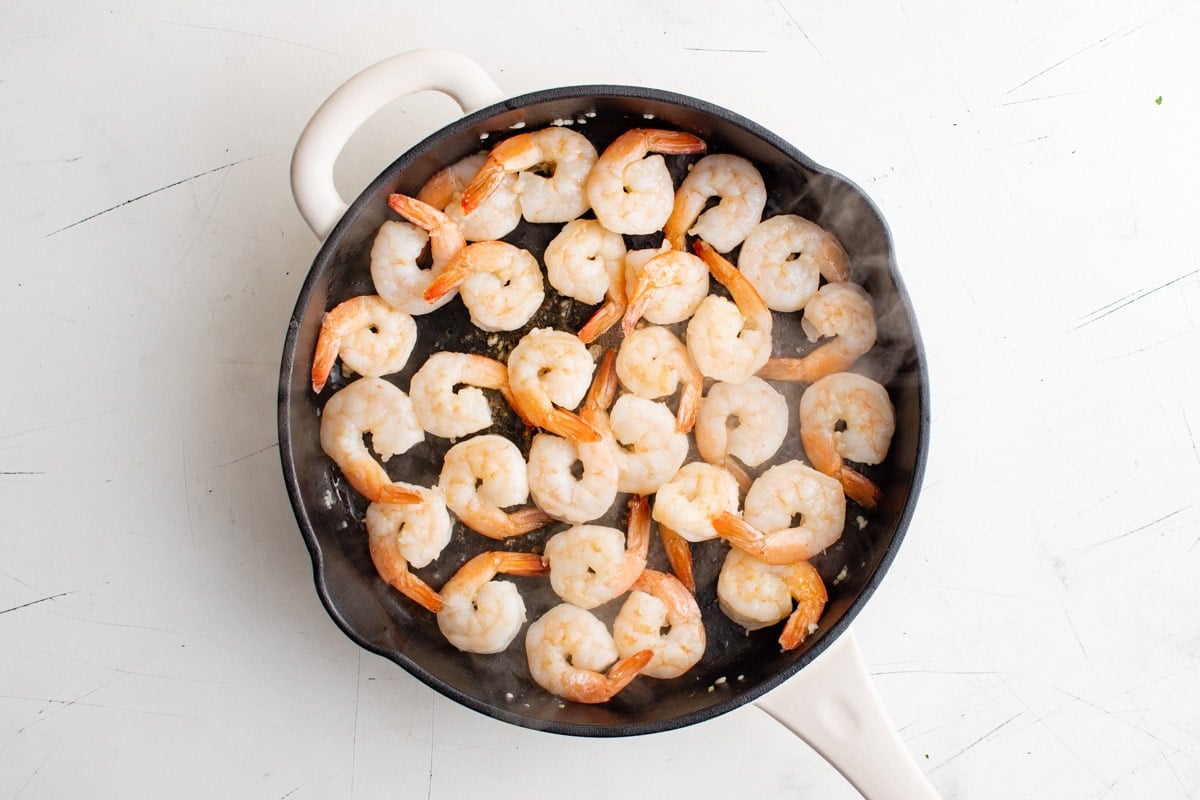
x: 847, y: 416
x: 398, y: 278
x: 632, y: 191
x: 762, y: 422
x: 689, y: 501
x: 557, y: 491
x: 785, y: 258
x: 480, y: 615
x: 729, y: 341
x: 500, y: 284
x: 483, y: 476
x: 755, y: 594
x: 743, y: 197
x: 666, y: 289
x: 401, y: 535
x: 616, y: 301
x: 450, y: 412
x: 374, y: 406
x: 653, y: 363
x: 568, y: 647
x: 592, y: 564
x: 493, y: 218
x: 583, y: 259
x: 372, y: 338
x: 841, y: 310
x: 552, y: 461
x: 662, y: 616
x: 566, y: 154
x: 549, y: 372
x: 768, y: 528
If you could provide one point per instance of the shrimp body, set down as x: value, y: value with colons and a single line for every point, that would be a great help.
x: 372, y: 338
x: 500, y: 284
x: 766, y: 529
x: 665, y: 289
x: 652, y: 363
x: 449, y: 413
x: 839, y: 310
x: 660, y: 602
x: 558, y: 198
x: 568, y: 647
x: 377, y: 407
x: 557, y: 491
x: 729, y: 341
x: 755, y: 594
x: 483, y: 476
x: 480, y: 615
x: 583, y: 260
x: 397, y: 276
x: 493, y: 218
x: 762, y: 421
x: 409, y: 534
x: 632, y: 191
x: 650, y: 448
x: 743, y: 196
x: 786, y: 256
x: 846, y: 416
x: 592, y: 564
x: 549, y: 373
x: 689, y: 501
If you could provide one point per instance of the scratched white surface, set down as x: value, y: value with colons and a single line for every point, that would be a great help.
x: 1037, y: 636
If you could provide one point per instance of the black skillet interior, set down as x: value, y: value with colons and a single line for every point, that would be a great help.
x: 737, y: 666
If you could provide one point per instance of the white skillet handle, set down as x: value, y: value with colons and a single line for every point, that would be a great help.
x: 355, y: 101
x: 832, y: 705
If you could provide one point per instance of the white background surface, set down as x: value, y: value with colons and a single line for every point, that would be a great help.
x: 160, y: 634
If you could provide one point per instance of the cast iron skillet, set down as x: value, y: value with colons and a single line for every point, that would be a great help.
x: 737, y: 668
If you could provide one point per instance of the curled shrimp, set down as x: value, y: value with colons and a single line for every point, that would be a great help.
x: 785, y: 258
x: 566, y: 154
x: 568, y: 647
x: 493, y: 218
x: 846, y: 416
x: 583, y: 259
x: 549, y: 373
x: 592, y: 564
x: 768, y: 528
x: 839, y: 310
x: 697, y: 494
x: 372, y: 338
x: 729, y: 341
x: 755, y: 594
x: 377, y: 407
x: 662, y: 616
x: 395, y: 271
x: 552, y: 461
x: 446, y: 410
x: 632, y: 191
x: 401, y: 535
x: 648, y: 447
x: 483, y: 476
x: 500, y: 284
x: 653, y: 363
x: 481, y: 615
x: 743, y: 196
x: 761, y: 415
x: 666, y: 289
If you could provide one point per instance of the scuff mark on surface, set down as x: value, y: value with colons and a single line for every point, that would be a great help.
x: 35, y: 602
x: 1141, y: 528
x: 152, y: 192
x: 1128, y: 299
x: 980, y: 740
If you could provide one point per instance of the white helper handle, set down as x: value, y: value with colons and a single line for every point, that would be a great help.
x: 355, y: 101
x: 832, y: 705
